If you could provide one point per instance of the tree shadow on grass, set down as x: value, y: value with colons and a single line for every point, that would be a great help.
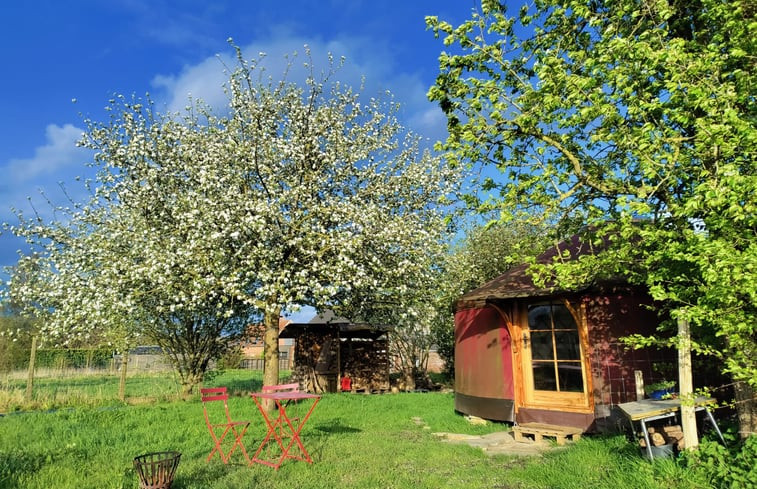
x: 241, y: 387
x: 335, y: 426
x: 198, y: 470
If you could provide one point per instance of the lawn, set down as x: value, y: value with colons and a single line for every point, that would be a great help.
x: 356, y: 441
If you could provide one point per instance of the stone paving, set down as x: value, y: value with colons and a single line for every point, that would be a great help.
x: 497, y: 443
x: 500, y: 443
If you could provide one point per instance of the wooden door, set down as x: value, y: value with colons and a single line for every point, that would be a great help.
x: 554, y: 364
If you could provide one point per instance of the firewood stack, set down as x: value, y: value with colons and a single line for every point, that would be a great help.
x: 664, y: 436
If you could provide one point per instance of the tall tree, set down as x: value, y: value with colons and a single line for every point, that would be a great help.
x: 635, y: 122
x: 295, y: 194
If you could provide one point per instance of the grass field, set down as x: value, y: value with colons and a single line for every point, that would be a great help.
x: 356, y: 441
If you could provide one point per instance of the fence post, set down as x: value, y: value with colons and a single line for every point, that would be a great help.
x: 30, y: 376
x: 122, y: 378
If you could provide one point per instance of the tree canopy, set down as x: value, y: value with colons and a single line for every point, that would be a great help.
x: 202, y: 222
x: 631, y: 122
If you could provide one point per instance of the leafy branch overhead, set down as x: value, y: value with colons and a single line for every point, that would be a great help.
x: 633, y: 123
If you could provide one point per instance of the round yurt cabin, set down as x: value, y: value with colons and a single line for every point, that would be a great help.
x: 525, y: 354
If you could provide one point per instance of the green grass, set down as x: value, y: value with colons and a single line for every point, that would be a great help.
x: 356, y: 441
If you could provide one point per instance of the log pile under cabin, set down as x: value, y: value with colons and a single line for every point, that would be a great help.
x: 664, y: 436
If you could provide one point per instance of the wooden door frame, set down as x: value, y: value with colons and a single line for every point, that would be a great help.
x: 525, y: 398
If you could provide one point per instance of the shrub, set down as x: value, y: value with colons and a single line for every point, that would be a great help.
x: 723, y: 467
x: 15, y: 342
x: 230, y: 359
x: 61, y: 358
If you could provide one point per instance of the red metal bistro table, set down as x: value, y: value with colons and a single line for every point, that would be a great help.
x: 283, y: 430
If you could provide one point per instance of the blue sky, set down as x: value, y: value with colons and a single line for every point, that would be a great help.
x: 88, y: 50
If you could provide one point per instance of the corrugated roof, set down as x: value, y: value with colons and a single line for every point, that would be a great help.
x: 328, y: 317
x: 327, y: 320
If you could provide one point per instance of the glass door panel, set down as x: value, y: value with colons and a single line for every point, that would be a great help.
x: 553, y: 354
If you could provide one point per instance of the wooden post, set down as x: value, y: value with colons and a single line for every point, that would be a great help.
x: 338, y: 359
x: 30, y: 376
x: 639, y: 376
x: 122, y: 378
x: 686, y: 386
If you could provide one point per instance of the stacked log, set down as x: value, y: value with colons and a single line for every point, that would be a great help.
x: 664, y: 436
x: 674, y: 434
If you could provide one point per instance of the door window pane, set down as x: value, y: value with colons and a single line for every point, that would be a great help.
x: 541, y: 345
x: 544, y: 376
x: 566, y: 345
x: 571, y: 379
x: 539, y: 318
x: 562, y: 317
x: 555, y: 349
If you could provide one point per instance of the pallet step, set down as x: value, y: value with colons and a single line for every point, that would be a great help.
x: 540, y: 430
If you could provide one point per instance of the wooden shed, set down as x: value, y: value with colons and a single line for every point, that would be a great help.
x: 328, y: 348
x: 526, y: 354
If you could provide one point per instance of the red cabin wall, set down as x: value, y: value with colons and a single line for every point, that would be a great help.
x: 484, y: 384
x: 611, y: 316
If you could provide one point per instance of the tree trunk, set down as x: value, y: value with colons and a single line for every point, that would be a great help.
x: 746, y: 406
x: 271, y: 351
x: 686, y: 386
x: 122, y: 378
x: 30, y: 376
x: 188, y: 383
x: 409, y: 379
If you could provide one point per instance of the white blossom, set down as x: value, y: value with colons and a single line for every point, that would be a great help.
x: 296, y: 195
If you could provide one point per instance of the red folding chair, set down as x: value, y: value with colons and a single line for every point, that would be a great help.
x: 294, y: 387
x: 212, y: 398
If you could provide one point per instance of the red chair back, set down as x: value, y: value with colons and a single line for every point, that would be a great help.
x: 220, y: 428
x: 294, y: 387
x: 212, y: 395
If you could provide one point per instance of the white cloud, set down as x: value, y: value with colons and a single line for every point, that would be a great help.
x: 365, y: 60
x: 36, y: 184
x: 431, y: 123
x: 58, y: 153
x: 203, y: 81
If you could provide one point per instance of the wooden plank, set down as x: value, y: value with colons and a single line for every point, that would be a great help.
x: 639, y: 377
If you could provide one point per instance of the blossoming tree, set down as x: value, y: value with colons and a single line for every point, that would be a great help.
x: 295, y: 194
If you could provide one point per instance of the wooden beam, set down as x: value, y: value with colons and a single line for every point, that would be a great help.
x: 686, y: 386
x: 639, y: 376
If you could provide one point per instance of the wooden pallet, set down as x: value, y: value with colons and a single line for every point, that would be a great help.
x: 540, y: 430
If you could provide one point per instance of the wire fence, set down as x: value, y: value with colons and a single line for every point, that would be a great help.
x: 71, y: 362
x: 259, y: 364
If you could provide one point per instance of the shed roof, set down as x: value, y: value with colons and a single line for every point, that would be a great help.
x: 328, y: 321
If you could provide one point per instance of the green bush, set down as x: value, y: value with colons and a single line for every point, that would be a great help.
x: 74, y: 357
x: 733, y: 467
x: 15, y: 343
x: 230, y: 359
